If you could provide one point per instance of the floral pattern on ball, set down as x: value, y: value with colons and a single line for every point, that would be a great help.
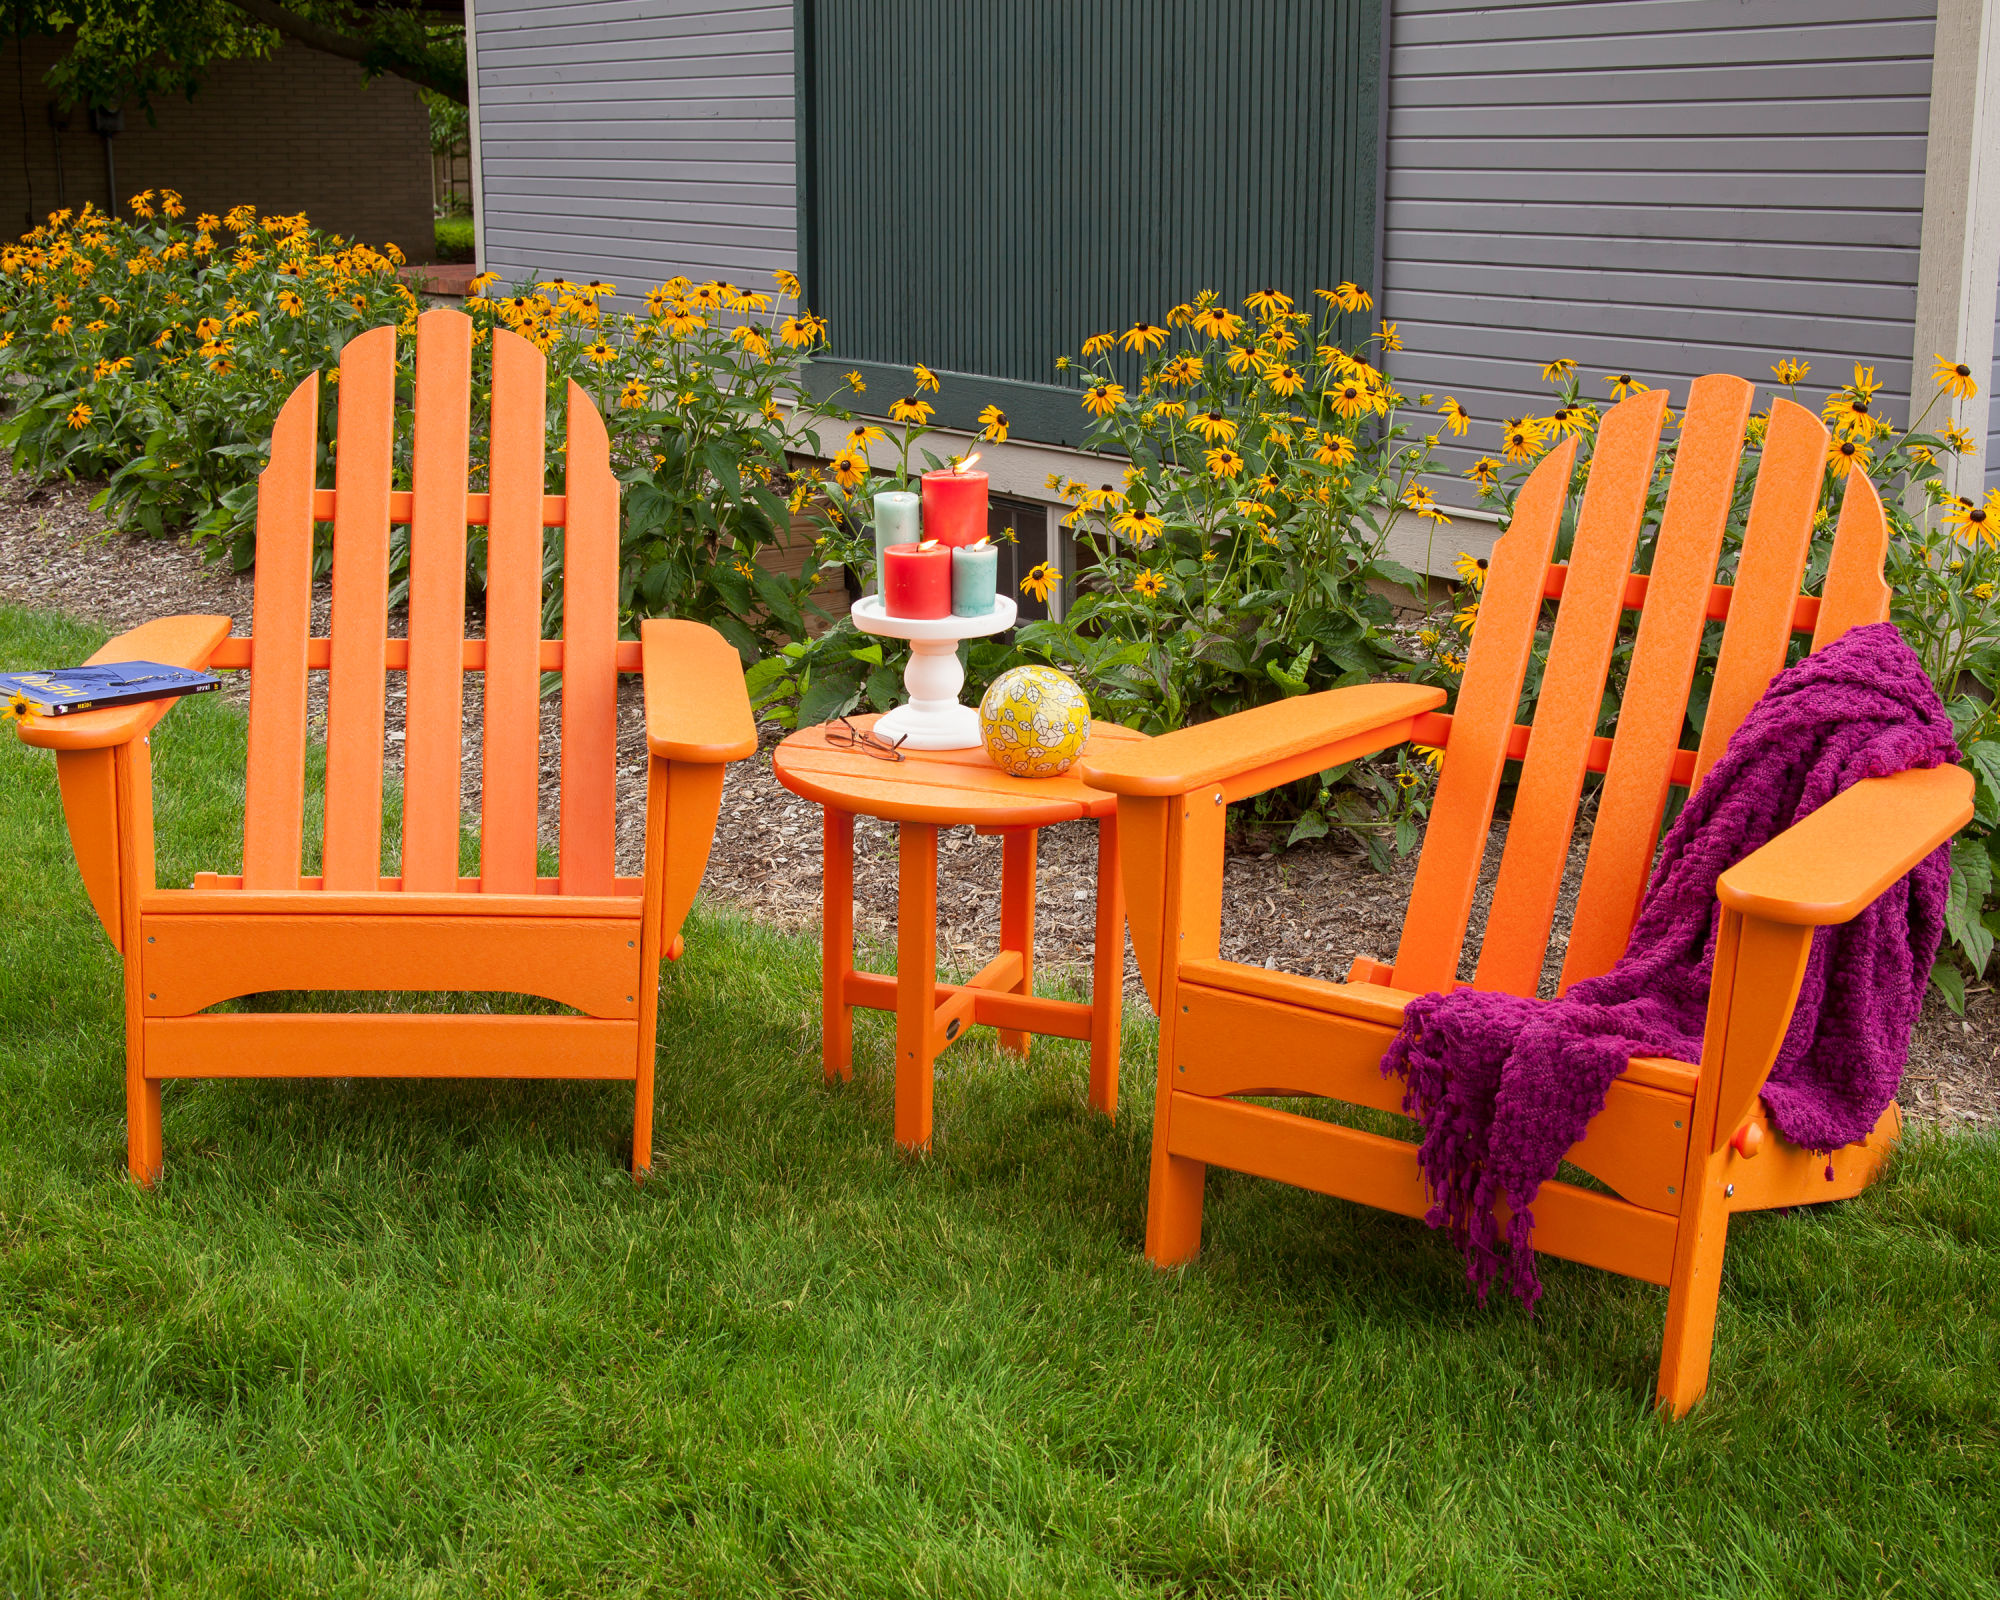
x: 1035, y: 722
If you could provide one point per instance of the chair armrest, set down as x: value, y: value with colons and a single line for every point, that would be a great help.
x: 1269, y: 744
x: 1831, y: 866
x: 697, y: 708
x: 171, y: 641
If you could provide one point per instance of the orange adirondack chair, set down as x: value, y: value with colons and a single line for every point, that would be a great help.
x: 1682, y: 1144
x: 585, y: 937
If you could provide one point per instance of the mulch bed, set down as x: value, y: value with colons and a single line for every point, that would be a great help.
x: 1310, y: 910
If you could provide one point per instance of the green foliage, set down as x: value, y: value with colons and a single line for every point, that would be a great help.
x: 453, y: 237
x: 158, y: 356
x: 127, y: 51
x: 402, y: 1338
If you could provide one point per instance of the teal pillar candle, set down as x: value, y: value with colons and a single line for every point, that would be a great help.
x: 975, y: 572
x: 899, y: 515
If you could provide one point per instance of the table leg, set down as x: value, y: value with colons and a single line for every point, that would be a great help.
x: 1107, y: 977
x: 837, y: 947
x: 1017, y: 918
x: 916, y: 981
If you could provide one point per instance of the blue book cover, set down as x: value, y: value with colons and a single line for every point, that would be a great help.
x: 109, y: 683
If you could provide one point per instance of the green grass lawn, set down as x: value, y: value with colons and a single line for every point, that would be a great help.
x: 427, y: 1338
x: 454, y: 238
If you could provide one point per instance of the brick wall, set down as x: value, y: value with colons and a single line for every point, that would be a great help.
x: 299, y: 131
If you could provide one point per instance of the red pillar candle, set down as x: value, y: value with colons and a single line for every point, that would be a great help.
x: 916, y: 580
x: 955, y: 506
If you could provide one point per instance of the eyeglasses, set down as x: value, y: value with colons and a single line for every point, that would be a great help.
x: 849, y: 737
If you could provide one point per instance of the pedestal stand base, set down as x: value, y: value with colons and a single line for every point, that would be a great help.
x: 931, y: 727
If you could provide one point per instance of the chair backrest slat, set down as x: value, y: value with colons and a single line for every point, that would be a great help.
x: 1462, y: 813
x: 590, y: 655
x: 434, y: 708
x: 512, y: 750
x: 275, y: 778
x: 1855, y: 592
x: 1633, y: 800
x: 1775, y: 541
x: 352, y: 857
x: 1572, y: 692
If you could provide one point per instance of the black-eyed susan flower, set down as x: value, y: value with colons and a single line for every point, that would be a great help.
x: 862, y: 435
x: 1624, y: 385
x: 633, y: 396
x: 849, y: 468
x: 1521, y: 438
x: 1143, y: 337
x: 1471, y: 569
x: 1456, y: 417
x: 1566, y: 420
x: 1213, y: 426
x: 1040, y: 580
x: 16, y: 707
x: 1845, y: 453
x: 1138, y: 526
x: 1267, y: 303
x: 1791, y: 373
x: 993, y: 425
x: 1558, y: 370
x: 1148, y: 583
x: 854, y: 382
x: 1098, y: 343
x: 1216, y: 322
x: 1850, y: 413
x: 599, y: 352
x: 291, y: 303
x: 1955, y: 379
x: 1388, y: 338
x: 1286, y: 381
x: 1167, y: 410
x: 80, y: 414
x: 1418, y: 499
x: 1432, y: 756
x: 787, y: 282
x: 911, y: 410
x: 1101, y: 399
x: 1974, y: 521
x: 1351, y: 397
x: 926, y: 379
x: 1335, y: 450
x: 1181, y: 371
x: 1223, y: 461
x: 62, y: 325
x: 1955, y: 439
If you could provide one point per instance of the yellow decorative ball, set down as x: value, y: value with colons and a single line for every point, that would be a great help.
x: 1035, y: 722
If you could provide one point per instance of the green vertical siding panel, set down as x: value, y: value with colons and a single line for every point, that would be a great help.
x: 991, y: 182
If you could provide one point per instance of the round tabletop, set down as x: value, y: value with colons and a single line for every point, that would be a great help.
x: 943, y: 787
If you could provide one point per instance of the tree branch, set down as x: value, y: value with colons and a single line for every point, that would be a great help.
x: 375, y: 54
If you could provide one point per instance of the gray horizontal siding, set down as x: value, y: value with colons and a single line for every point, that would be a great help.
x: 635, y: 139
x: 1659, y: 187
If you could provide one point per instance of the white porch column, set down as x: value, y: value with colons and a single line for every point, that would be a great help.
x: 1958, y: 268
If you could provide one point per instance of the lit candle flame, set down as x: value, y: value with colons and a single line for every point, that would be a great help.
x: 961, y: 466
x: 928, y: 544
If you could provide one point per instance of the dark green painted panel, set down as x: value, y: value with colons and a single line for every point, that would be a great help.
x: 990, y: 182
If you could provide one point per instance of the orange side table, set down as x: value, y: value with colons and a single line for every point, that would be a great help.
x: 925, y: 791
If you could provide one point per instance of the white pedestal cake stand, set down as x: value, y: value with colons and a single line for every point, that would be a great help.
x: 932, y: 718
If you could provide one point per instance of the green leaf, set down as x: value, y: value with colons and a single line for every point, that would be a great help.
x: 1984, y: 759
x: 1971, y: 886
x: 1949, y: 982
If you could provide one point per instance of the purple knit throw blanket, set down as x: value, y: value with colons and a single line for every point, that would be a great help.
x: 1504, y: 1085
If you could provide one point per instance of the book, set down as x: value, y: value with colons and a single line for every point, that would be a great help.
x: 68, y: 690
